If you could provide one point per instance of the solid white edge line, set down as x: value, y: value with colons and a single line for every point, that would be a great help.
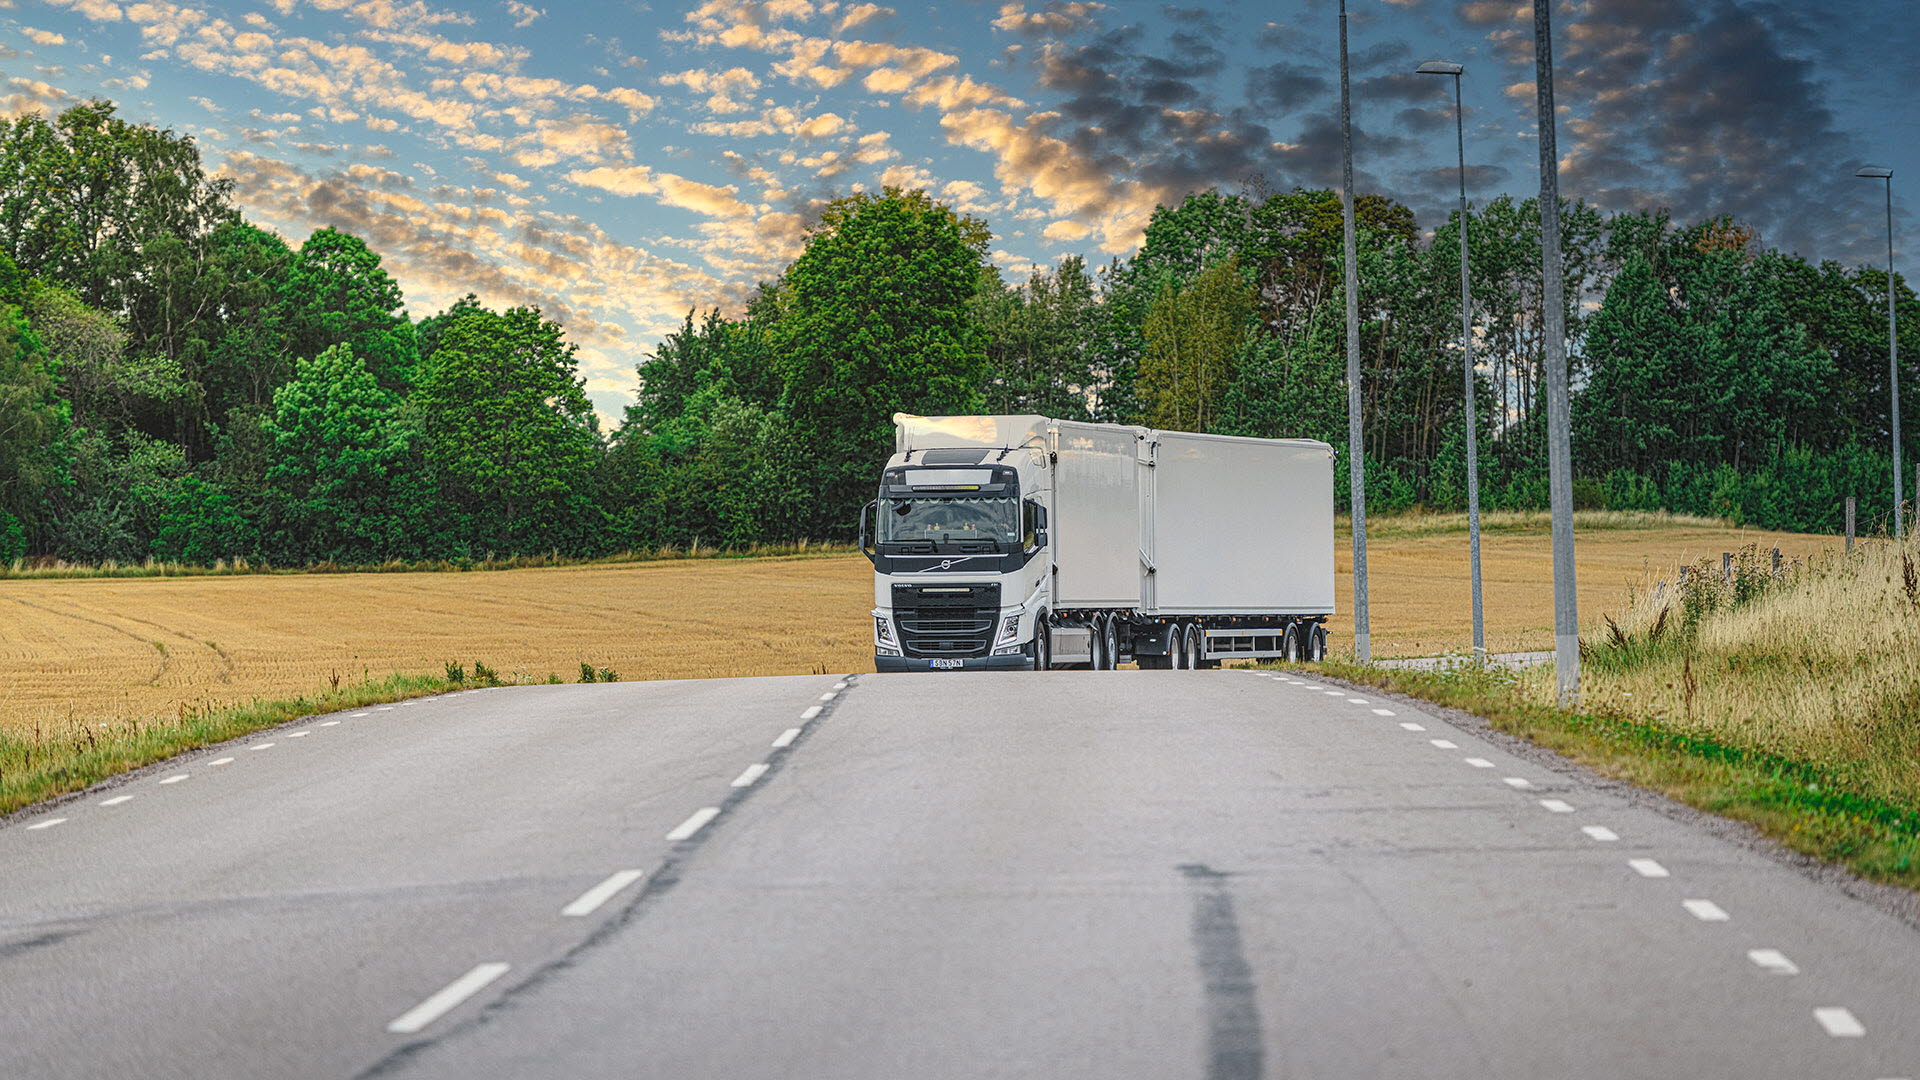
x: 590, y: 901
x: 1705, y: 910
x: 812, y: 711
x: 1556, y: 806
x: 1600, y: 833
x: 116, y: 800
x: 1648, y: 868
x: 1839, y: 1022
x: 48, y: 824
x: 686, y: 829
x: 220, y: 761
x: 749, y: 775
x: 786, y: 738
x: 1774, y: 961
x: 443, y: 1002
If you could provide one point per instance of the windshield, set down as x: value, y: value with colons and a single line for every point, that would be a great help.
x: 950, y: 521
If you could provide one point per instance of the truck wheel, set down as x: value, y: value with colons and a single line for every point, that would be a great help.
x: 1290, y: 644
x: 1113, y: 643
x: 1177, y: 646
x: 1097, y: 643
x: 1319, y: 639
x: 1042, y: 645
x: 1196, y: 646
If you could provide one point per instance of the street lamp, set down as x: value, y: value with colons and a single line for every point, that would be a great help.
x: 1356, y: 463
x: 1441, y: 67
x: 1873, y: 172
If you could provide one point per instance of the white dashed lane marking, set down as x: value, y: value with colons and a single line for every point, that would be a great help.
x: 443, y: 1002
x: 1334, y: 693
x: 752, y: 773
x: 358, y: 715
x: 1839, y: 1022
x: 175, y: 778
x: 1480, y: 763
x: 217, y: 762
x: 694, y: 824
x: 261, y: 746
x: 1413, y: 727
x: 839, y: 686
x: 116, y: 800
x: 1384, y: 712
x: 47, y: 824
x: 591, y: 900
x: 331, y: 723
x: 1556, y: 806
x: 1519, y: 782
x: 812, y: 711
x: 1443, y: 744
x: 298, y: 734
x: 1705, y: 910
x: 1773, y: 960
x: 786, y: 738
x: 1357, y: 700
x: 1600, y: 833
x: 1648, y: 868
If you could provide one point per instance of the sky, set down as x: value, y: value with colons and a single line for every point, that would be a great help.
x: 618, y: 164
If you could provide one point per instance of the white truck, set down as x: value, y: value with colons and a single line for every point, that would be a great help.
x: 1019, y: 542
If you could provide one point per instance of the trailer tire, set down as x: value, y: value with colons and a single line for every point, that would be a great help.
x: 1318, y: 650
x: 1108, y: 631
x: 1177, y: 646
x: 1097, y: 644
x: 1290, y: 644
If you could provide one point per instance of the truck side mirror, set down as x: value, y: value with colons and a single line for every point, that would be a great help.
x: 1039, y: 526
x: 866, y: 532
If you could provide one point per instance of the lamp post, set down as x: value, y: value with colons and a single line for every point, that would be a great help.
x: 1441, y: 67
x: 1566, y: 614
x: 1356, y: 467
x: 1873, y: 172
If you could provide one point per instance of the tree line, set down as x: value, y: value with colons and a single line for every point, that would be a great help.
x: 178, y: 383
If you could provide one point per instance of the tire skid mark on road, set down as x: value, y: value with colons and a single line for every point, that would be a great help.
x: 657, y: 882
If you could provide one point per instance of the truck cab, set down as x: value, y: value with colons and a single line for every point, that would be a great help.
x: 958, y: 536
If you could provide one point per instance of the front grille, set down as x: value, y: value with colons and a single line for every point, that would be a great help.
x: 946, y: 620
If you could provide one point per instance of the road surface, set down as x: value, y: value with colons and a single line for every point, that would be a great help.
x: 1213, y: 874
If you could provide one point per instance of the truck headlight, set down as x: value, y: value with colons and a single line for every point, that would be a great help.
x: 883, y: 631
x: 1009, y: 629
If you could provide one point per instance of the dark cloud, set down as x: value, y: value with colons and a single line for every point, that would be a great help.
x: 1704, y: 110
x: 1403, y: 87
x: 1278, y: 89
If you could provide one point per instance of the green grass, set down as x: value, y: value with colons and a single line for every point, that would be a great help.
x: 1414, y: 524
x: 1807, y: 807
x: 39, y: 568
x: 48, y: 764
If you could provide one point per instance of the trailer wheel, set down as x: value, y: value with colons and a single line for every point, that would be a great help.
x: 1290, y: 643
x: 1109, y: 644
x: 1196, y: 646
x: 1097, y: 643
x: 1042, y: 645
x: 1177, y: 646
x: 1318, y: 650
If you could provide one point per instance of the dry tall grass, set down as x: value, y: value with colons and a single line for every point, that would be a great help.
x: 1821, y: 665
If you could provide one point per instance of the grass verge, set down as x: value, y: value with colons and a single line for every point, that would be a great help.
x: 75, y: 756
x: 1807, y: 808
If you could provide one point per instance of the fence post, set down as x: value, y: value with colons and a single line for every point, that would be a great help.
x: 1726, y: 567
x: 1849, y: 524
x: 1776, y: 562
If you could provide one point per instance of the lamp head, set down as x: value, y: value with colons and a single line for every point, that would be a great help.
x: 1875, y: 172
x: 1439, y: 67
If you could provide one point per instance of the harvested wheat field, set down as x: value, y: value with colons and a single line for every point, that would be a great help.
x: 123, y: 648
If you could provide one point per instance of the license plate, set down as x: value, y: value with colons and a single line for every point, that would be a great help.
x: 950, y: 665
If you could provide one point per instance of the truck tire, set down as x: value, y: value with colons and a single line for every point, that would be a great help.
x: 1042, y: 644
x: 1319, y: 638
x: 1097, y: 644
x: 1290, y: 643
x: 1113, y: 643
x: 1177, y: 646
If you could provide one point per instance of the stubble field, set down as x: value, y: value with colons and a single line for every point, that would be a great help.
x: 107, y: 649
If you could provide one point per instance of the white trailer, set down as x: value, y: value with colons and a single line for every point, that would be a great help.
x: 1025, y: 542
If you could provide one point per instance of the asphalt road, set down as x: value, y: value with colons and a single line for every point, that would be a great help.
x: 1213, y: 874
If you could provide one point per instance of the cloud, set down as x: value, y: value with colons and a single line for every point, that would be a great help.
x: 97, y: 10
x: 860, y: 15
x: 43, y: 37
x: 1055, y: 18
x: 523, y: 14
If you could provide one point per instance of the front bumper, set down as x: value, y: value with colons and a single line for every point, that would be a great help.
x: 1013, y: 662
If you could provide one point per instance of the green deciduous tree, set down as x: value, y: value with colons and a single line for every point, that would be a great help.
x: 509, y: 434
x: 1192, y: 336
x: 335, y: 446
x: 338, y: 294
